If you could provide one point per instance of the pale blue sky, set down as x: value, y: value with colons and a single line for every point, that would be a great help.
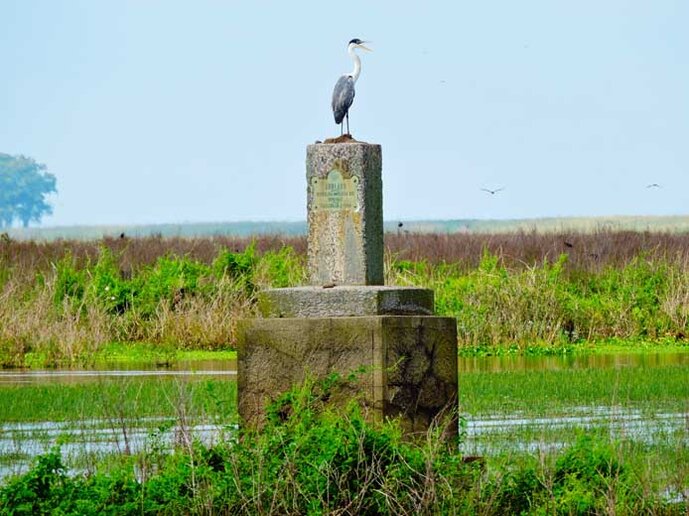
x: 169, y: 111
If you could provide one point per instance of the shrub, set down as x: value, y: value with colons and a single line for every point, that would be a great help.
x: 309, y: 458
x: 238, y: 266
x: 70, y: 283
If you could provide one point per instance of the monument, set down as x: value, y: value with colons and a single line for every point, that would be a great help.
x: 347, y: 319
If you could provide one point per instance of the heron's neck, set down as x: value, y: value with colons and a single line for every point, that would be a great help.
x: 357, y: 64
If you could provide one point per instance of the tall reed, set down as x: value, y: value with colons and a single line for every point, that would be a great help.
x: 64, y: 299
x: 65, y: 310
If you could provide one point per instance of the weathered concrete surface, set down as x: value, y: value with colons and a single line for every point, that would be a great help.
x: 411, y: 362
x: 345, y: 301
x: 345, y: 214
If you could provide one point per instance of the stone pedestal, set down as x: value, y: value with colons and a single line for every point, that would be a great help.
x: 345, y: 214
x: 347, y: 319
x: 345, y: 301
x: 410, y: 362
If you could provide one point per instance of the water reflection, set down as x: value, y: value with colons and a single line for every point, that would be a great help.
x: 217, y: 368
x: 572, y: 361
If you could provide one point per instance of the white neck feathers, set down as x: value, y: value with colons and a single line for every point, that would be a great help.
x: 357, y: 62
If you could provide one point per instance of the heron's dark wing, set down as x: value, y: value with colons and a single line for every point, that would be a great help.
x: 343, y: 96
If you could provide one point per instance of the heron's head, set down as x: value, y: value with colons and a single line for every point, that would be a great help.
x: 357, y: 43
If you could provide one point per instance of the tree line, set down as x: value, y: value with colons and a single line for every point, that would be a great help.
x: 24, y: 187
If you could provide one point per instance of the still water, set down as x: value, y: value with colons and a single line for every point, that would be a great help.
x: 485, y: 433
x: 572, y: 361
x: 652, y: 417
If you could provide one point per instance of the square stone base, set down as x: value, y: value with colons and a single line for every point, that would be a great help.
x: 345, y: 301
x: 410, y: 362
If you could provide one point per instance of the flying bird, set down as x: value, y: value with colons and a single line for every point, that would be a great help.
x: 653, y: 185
x: 492, y: 192
x: 343, y: 94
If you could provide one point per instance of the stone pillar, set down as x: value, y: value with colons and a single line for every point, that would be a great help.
x: 346, y: 319
x: 345, y: 214
x: 409, y: 363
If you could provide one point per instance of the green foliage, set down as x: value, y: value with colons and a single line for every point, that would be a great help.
x: 280, y: 269
x: 171, y: 279
x: 70, y: 282
x: 176, y: 301
x: 552, y: 304
x: 584, y: 475
x: 41, y: 490
x: 48, y: 489
x: 238, y: 266
x: 311, y: 460
x: 588, y: 477
x: 334, y: 458
x: 23, y: 187
x: 515, y: 492
x: 106, y: 287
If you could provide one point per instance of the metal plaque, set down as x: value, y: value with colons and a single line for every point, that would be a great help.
x: 334, y: 192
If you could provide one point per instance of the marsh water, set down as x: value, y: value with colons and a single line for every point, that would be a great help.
x: 574, y: 361
x: 228, y: 368
x: 126, y: 424
x: 640, y: 396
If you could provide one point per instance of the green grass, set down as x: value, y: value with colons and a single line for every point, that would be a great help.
x: 137, y: 352
x: 136, y: 398
x: 69, y: 312
x: 536, y: 392
x: 314, y: 458
x: 541, y: 408
x: 633, y: 345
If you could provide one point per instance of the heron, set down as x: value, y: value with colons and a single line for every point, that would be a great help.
x: 343, y: 94
x: 653, y: 185
x: 492, y: 192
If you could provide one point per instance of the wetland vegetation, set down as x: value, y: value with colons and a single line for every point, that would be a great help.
x: 312, y: 458
x: 63, y: 302
x: 574, y: 388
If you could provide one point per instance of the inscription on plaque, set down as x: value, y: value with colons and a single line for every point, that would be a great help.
x: 334, y: 192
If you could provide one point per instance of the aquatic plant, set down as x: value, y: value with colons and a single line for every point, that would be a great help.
x: 311, y: 459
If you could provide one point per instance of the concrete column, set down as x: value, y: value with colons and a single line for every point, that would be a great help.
x: 409, y: 356
x: 409, y: 363
x: 345, y: 214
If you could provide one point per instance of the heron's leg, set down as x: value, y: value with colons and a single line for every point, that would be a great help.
x: 347, y: 115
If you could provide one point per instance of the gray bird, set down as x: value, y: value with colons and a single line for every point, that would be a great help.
x: 343, y: 94
x: 492, y: 192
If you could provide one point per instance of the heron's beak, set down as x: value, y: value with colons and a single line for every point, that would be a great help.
x: 361, y: 45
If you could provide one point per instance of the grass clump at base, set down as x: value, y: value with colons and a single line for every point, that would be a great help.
x: 312, y: 458
x: 309, y: 458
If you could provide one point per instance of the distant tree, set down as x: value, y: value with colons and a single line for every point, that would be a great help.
x: 24, y: 185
